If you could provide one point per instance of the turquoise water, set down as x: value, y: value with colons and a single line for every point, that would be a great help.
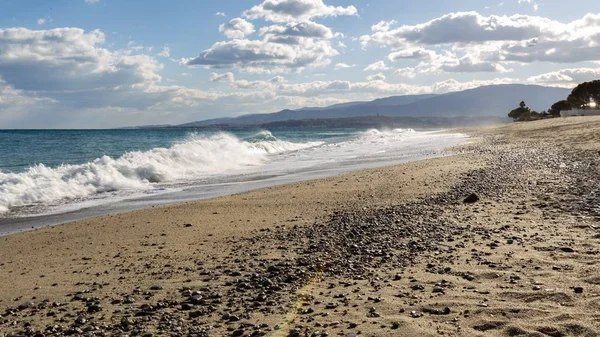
x: 21, y: 149
x: 50, y: 172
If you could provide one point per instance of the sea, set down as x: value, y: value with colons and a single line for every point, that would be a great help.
x: 48, y: 177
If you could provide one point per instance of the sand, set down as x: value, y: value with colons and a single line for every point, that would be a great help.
x: 508, y: 264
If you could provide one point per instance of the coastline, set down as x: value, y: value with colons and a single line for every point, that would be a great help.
x: 190, y: 192
x: 507, y: 264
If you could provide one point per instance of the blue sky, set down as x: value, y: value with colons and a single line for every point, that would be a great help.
x: 109, y: 63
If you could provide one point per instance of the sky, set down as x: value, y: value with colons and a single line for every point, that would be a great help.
x: 113, y: 63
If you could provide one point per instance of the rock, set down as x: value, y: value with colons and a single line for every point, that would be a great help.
x: 438, y: 289
x: 187, y: 306
x: 237, y: 333
x: 578, y: 290
x: 471, y: 199
x: 567, y: 249
x: 395, y: 325
x: 94, y: 307
x: 415, y: 314
x: 80, y: 320
x: 26, y: 305
x: 435, y: 311
x: 156, y: 287
x: 417, y: 287
x: 195, y: 314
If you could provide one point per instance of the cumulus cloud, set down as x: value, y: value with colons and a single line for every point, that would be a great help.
x: 471, y: 42
x: 383, y: 26
x: 225, y: 77
x: 298, y: 29
x: 376, y: 77
x: 380, y: 87
x: 220, y: 14
x: 412, y: 54
x: 265, y: 55
x: 566, y: 77
x: 470, y: 64
x: 237, y: 28
x: 66, y: 66
x: 295, y: 10
x: 408, y: 72
x: 463, y: 27
x: 343, y: 66
x: 91, y: 1
x: 376, y: 66
x: 289, y: 47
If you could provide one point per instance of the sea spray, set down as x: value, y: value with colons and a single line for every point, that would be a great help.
x: 196, y: 157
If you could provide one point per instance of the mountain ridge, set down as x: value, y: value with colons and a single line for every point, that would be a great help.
x: 484, y: 101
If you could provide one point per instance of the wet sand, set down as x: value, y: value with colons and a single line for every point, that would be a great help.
x: 392, y: 251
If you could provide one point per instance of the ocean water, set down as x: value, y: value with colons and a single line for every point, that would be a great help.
x: 53, y: 172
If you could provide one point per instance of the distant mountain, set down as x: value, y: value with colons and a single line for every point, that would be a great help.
x: 488, y: 101
x: 399, y: 100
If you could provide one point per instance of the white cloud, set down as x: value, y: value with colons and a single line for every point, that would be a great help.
x: 469, y: 64
x: 463, y: 27
x: 225, y: 77
x: 295, y: 10
x: 408, y: 72
x: 265, y: 56
x: 376, y: 77
x: 237, y: 28
x: 470, y: 42
x: 339, y: 66
x: 302, y: 29
x: 412, y: 53
x: 534, y: 4
x: 41, y: 21
x: 67, y: 67
x: 377, y: 66
x: 166, y: 52
x: 91, y: 1
x: 381, y: 88
x: 383, y: 26
x: 566, y: 77
x: 220, y: 14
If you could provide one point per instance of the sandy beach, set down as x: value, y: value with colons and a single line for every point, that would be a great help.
x: 501, y: 238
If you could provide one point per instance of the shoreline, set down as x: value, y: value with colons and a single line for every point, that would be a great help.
x: 385, y: 251
x: 194, y: 193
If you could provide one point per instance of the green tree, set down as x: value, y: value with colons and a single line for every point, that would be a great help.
x: 558, y: 107
x: 520, y: 113
x: 582, y: 93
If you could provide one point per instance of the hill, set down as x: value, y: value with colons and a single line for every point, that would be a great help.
x: 487, y: 101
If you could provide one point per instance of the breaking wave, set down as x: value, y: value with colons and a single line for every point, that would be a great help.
x: 196, y: 157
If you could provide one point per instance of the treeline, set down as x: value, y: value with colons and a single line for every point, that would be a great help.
x: 578, y: 99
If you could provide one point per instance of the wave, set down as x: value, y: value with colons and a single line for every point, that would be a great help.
x: 196, y: 157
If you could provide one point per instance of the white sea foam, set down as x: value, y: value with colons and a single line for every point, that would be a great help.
x: 196, y: 157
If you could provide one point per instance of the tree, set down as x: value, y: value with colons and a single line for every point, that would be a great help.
x: 558, y: 107
x: 582, y: 93
x: 520, y: 113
